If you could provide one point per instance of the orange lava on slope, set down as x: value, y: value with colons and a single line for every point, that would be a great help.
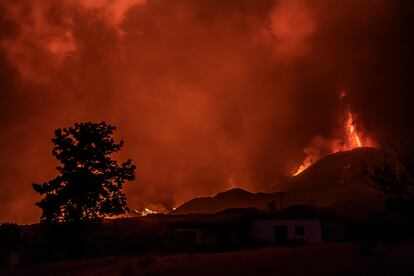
x: 352, y: 138
x: 303, y: 167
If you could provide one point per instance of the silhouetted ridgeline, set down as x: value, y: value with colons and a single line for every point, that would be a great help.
x: 234, y: 198
x: 336, y: 181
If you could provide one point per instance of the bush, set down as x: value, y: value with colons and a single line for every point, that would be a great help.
x: 10, y: 242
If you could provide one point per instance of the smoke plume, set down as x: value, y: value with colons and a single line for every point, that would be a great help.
x: 207, y: 94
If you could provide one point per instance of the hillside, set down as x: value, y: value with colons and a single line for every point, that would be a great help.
x: 234, y: 198
x: 336, y: 181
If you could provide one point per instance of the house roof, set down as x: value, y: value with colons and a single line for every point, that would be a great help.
x: 237, y: 216
x: 300, y: 212
x: 230, y: 216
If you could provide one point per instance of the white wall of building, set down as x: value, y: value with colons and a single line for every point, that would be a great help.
x: 264, y: 229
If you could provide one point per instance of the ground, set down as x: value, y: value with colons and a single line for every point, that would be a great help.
x: 317, y: 259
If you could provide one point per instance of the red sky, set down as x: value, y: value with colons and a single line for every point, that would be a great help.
x: 207, y: 94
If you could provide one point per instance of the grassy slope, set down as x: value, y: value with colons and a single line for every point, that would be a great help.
x: 318, y: 259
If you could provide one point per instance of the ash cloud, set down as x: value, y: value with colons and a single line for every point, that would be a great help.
x: 206, y: 94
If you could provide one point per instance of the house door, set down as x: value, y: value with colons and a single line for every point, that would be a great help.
x: 281, y: 233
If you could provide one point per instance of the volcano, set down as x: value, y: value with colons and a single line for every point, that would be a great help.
x: 336, y: 181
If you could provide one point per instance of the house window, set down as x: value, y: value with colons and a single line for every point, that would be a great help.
x: 299, y: 230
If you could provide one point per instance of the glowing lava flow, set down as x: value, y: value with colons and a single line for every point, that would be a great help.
x: 145, y: 212
x: 351, y: 139
x: 302, y: 167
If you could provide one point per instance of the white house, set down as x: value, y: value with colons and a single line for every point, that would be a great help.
x: 283, y: 230
x: 297, y: 224
x: 243, y: 226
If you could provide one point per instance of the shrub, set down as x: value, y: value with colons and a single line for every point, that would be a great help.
x: 10, y: 241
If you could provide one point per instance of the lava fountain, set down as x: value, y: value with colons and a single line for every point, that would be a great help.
x: 352, y: 138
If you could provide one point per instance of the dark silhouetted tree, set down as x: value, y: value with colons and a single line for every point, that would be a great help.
x: 89, y: 184
x: 393, y: 175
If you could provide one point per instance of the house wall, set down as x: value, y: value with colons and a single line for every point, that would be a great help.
x: 222, y: 236
x: 209, y: 237
x: 333, y: 230
x: 187, y: 236
x: 264, y: 230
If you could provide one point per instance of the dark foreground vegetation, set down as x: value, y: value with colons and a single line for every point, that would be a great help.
x: 311, y: 259
x: 28, y: 246
x: 41, y: 243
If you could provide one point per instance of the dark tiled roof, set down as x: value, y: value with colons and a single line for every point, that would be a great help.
x: 222, y: 218
x: 236, y: 216
x: 300, y: 212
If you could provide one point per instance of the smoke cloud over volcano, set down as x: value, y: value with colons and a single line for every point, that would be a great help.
x: 207, y: 94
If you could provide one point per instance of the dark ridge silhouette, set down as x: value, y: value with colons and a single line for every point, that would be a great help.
x: 336, y: 181
x: 234, y: 198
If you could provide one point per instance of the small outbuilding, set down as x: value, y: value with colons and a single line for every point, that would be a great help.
x: 228, y: 228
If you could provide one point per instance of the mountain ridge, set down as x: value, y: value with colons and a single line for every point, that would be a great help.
x: 233, y: 198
